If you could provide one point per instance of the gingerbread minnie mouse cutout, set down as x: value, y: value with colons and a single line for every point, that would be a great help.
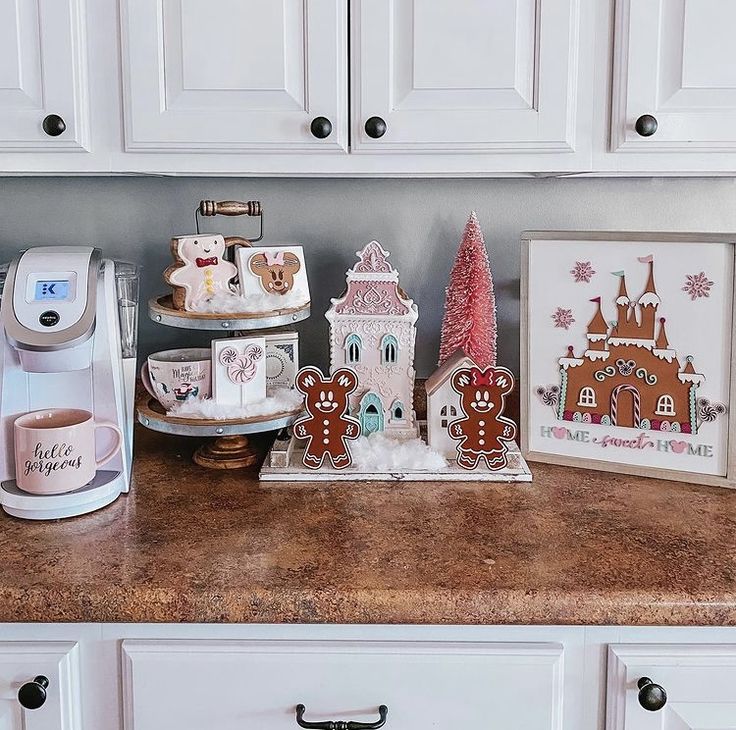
x: 327, y: 427
x: 484, y: 433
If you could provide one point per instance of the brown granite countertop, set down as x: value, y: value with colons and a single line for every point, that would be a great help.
x: 194, y: 545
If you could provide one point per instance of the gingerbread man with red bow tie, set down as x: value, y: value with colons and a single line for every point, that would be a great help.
x: 199, y: 270
x: 483, y: 433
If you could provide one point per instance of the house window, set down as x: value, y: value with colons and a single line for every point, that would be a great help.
x: 446, y: 411
x: 353, y: 346
x: 665, y: 406
x: 587, y: 397
x: 398, y: 411
x: 389, y: 350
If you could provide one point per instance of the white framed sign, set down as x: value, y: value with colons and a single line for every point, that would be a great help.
x: 626, y: 350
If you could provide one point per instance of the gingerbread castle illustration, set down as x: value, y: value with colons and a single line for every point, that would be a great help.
x: 629, y: 375
x: 372, y: 331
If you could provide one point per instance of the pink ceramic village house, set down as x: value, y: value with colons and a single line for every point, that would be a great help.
x: 372, y: 331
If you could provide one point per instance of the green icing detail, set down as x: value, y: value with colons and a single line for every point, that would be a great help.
x: 563, y: 394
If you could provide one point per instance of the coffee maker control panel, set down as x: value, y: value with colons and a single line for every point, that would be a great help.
x: 53, y: 293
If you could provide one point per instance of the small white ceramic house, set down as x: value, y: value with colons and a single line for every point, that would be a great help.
x: 443, y: 404
x: 372, y: 331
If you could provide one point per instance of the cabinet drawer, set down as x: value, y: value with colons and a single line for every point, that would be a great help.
x: 20, y: 663
x: 233, y: 685
x: 699, y: 681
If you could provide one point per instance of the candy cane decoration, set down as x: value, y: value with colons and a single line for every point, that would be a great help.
x: 614, y: 404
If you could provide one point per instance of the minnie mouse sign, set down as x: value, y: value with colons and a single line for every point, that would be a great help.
x: 484, y: 432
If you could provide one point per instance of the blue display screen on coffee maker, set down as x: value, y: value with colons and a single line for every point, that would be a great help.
x: 52, y: 290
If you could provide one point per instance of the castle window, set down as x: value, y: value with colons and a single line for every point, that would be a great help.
x: 389, y: 350
x: 353, y: 346
x: 587, y: 397
x: 446, y: 411
x: 665, y: 406
x: 398, y: 411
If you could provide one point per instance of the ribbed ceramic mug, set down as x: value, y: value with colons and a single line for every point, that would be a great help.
x: 174, y: 376
x: 55, y: 450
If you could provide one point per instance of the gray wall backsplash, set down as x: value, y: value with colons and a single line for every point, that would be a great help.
x: 419, y: 221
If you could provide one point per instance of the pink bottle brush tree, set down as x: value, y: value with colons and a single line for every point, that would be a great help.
x: 469, y: 323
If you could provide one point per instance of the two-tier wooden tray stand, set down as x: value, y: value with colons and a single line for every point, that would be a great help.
x: 227, y: 445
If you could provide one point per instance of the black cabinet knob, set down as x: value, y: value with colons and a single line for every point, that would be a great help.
x: 375, y: 127
x: 32, y: 694
x: 652, y: 696
x: 321, y: 127
x: 646, y: 125
x: 341, y: 724
x: 53, y: 125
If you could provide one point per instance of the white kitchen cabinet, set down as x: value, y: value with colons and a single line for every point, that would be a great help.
x: 233, y: 75
x: 699, y: 682
x: 232, y: 685
x: 43, y: 76
x: 468, y: 76
x: 23, y: 661
x: 673, y: 62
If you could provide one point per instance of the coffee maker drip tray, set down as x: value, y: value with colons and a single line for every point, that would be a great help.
x: 101, y: 491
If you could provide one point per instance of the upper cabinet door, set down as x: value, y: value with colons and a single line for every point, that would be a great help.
x: 43, y: 76
x: 234, y: 75
x: 674, y: 62
x: 466, y: 75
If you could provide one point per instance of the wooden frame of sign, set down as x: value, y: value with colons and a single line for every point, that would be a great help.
x: 630, y: 373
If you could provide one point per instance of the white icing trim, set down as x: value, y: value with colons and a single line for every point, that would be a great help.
x: 649, y: 344
x: 570, y: 362
x: 691, y: 377
x: 668, y: 355
x: 597, y: 354
x: 623, y: 301
x: 649, y: 299
x: 596, y: 337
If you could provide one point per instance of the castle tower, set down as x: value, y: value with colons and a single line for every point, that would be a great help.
x: 648, y: 302
x: 597, y: 334
x: 623, y: 304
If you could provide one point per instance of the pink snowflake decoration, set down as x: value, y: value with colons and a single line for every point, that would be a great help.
x: 697, y: 286
x: 563, y: 318
x: 582, y: 272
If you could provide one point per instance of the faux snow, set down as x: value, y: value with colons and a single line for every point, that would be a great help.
x: 380, y: 452
x: 224, y: 302
x: 280, y: 401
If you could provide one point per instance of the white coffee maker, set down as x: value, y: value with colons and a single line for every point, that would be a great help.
x: 68, y: 339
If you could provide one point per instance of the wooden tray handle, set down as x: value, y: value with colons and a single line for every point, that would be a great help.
x: 230, y: 207
x: 236, y: 241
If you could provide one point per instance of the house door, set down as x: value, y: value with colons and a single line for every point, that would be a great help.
x: 371, y: 414
x: 625, y: 407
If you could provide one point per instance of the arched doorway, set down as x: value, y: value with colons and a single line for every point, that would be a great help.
x: 371, y: 414
x: 626, y: 406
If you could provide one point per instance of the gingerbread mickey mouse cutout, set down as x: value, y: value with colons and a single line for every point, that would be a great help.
x: 484, y: 432
x: 327, y: 427
x: 275, y: 270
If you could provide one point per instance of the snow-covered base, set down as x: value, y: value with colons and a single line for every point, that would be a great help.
x: 282, y: 400
x: 379, y: 457
x: 381, y: 452
x: 231, y: 303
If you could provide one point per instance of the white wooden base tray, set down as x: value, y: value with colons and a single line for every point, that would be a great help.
x: 284, y: 464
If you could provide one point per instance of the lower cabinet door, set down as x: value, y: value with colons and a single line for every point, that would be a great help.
x: 258, y: 685
x: 46, y: 674
x: 671, y: 687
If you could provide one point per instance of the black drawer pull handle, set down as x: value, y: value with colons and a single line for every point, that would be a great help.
x: 341, y: 724
x: 652, y: 696
x: 32, y: 694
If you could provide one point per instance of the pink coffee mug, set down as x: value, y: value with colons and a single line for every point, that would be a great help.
x: 55, y: 450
